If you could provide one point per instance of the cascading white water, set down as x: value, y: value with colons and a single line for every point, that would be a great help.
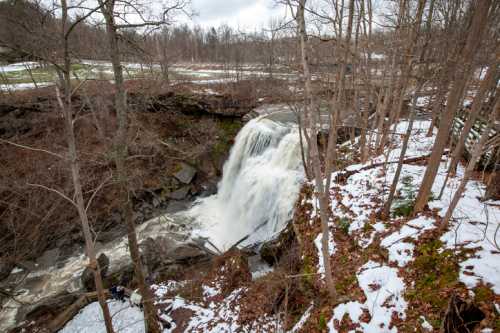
x: 261, y: 181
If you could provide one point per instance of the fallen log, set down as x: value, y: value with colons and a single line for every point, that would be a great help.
x: 342, y: 177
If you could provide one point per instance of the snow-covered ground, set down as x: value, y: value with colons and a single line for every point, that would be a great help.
x: 384, y: 290
x: 475, y: 225
x: 208, y: 315
x: 100, y: 69
x: 20, y: 66
x: 24, y: 86
x: 126, y: 319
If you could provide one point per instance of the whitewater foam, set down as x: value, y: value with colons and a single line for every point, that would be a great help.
x: 261, y: 181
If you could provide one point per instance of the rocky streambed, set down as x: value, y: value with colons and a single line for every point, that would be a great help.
x: 175, y: 240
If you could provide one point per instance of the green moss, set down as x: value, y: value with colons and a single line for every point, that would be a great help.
x: 344, y: 224
x: 367, y: 227
x: 483, y: 294
x: 228, y: 129
x: 307, y: 271
x: 435, y: 270
x: 322, y: 322
x: 344, y: 285
x: 343, y: 259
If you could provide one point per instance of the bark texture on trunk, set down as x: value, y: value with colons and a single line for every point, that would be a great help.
x: 120, y: 155
x: 66, y: 106
x: 477, y: 28
x: 476, y: 155
x: 406, y: 72
x: 312, y: 119
x: 489, y: 82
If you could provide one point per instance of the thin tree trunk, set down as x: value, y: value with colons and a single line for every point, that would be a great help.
x: 82, y: 213
x: 311, y: 123
x: 120, y: 156
x: 339, y: 103
x: 364, y: 139
x: 392, y: 191
x: 406, y: 72
x: 66, y: 108
x: 381, y: 129
x: 477, y: 152
x: 490, y: 81
x: 479, y: 23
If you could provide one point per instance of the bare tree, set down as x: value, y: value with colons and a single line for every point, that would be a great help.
x: 406, y: 72
x: 111, y: 10
x: 478, y: 26
x: 311, y: 123
x: 476, y: 155
x: 489, y: 83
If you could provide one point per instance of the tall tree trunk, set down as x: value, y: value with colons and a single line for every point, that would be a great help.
x: 120, y: 156
x: 384, y: 108
x: 398, y: 84
x: 364, y: 140
x: 493, y: 188
x: 311, y: 123
x: 406, y: 72
x: 479, y: 23
x: 339, y: 101
x: 67, y: 111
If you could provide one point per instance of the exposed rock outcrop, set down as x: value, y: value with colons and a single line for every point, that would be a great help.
x: 271, y: 251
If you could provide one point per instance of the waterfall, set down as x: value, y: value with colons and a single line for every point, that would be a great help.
x: 260, y: 183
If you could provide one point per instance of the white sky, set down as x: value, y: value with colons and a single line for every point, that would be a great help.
x: 243, y: 14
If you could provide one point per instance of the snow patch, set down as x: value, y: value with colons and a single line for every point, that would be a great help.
x: 126, y: 319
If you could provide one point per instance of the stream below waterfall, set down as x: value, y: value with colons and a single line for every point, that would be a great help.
x: 254, y: 202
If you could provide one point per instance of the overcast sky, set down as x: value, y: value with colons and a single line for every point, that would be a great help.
x: 245, y: 14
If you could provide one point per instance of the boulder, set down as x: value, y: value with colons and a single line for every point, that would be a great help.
x: 176, y: 206
x: 153, y: 252
x: 185, y: 174
x: 51, y: 306
x: 87, y: 277
x: 124, y: 276
x: 208, y: 189
x: 163, y: 252
x: 187, y: 253
x: 179, y: 194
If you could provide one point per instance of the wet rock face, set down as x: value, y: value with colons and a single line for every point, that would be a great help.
x: 162, y: 253
x: 88, y: 275
x: 271, y: 251
x: 179, y: 194
x: 51, y: 307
